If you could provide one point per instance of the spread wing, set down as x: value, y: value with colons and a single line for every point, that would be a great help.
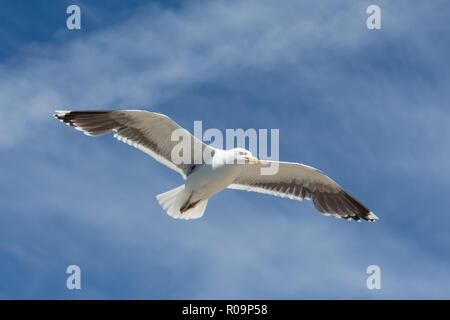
x: 150, y: 132
x: 297, y: 181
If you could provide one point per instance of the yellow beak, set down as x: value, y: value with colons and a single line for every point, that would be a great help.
x: 252, y: 160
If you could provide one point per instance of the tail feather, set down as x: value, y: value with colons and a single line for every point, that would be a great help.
x: 195, y: 212
x: 172, y: 200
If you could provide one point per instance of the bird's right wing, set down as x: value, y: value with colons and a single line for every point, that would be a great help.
x: 150, y: 132
x: 298, y: 181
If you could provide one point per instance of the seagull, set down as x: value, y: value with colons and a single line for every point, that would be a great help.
x: 237, y: 168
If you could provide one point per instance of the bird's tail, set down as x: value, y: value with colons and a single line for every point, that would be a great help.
x: 172, y: 201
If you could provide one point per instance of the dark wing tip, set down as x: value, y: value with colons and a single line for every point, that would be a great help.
x: 359, y: 209
x: 92, y: 123
x: 63, y: 116
x: 344, y: 205
x: 372, y: 217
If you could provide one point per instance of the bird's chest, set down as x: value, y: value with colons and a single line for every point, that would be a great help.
x: 207, y: 180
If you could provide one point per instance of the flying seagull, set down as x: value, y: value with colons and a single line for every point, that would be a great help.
x: 236, y: 168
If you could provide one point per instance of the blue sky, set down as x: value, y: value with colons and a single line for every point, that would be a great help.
x: 369, y: 108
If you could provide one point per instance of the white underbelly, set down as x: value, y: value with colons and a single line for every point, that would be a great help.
x: 206, y: 181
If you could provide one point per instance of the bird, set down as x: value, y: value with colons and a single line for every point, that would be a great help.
x: 237, y: 168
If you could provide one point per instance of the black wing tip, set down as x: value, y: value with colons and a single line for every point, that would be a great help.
x: 371, y: 217
x: 361, y: 210
x: 367, y: 216
x: 67, y: 115
x: 343, y: 205
x: 62, y: 116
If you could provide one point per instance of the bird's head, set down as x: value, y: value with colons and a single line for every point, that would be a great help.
x: 242, y: 156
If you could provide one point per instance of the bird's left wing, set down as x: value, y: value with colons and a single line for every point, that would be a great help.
x: 298, y: 181
x: 148, y: 131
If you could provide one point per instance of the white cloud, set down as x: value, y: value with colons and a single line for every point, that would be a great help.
x: 158, y: 54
